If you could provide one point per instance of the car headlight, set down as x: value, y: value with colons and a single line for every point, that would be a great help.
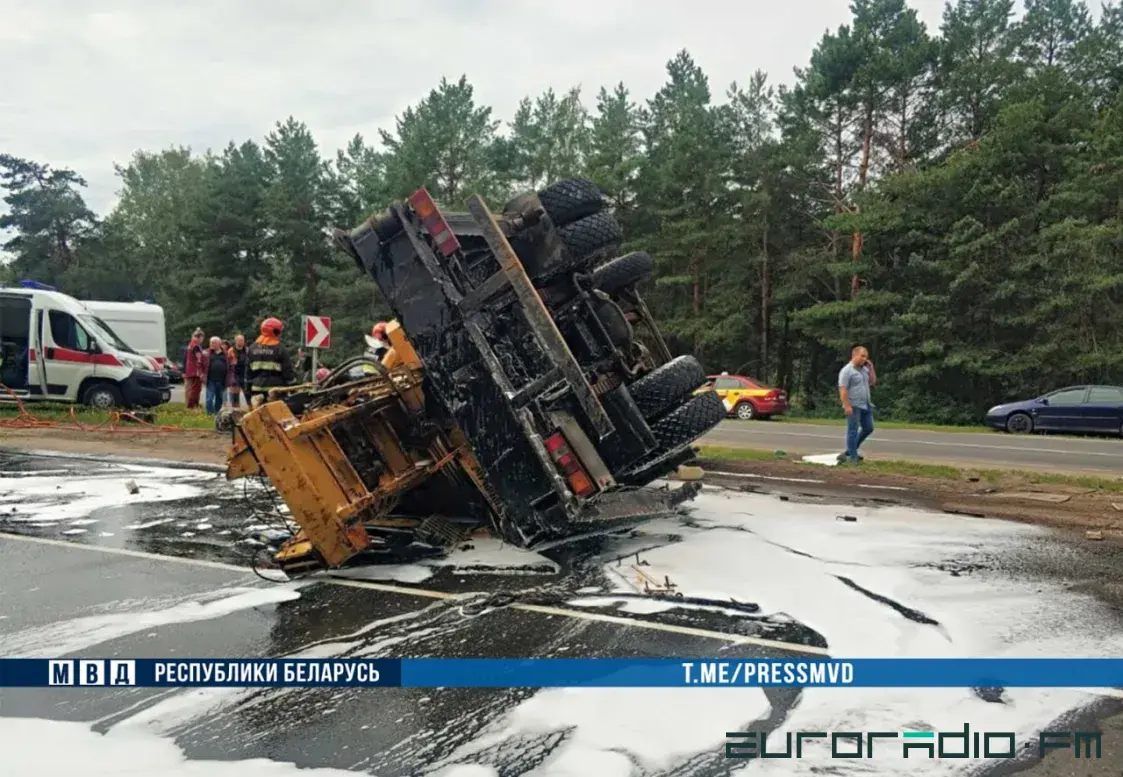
x: 995, y: 410
x: 136, y: 364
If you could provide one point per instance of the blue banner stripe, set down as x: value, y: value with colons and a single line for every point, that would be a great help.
x: 566, y: 672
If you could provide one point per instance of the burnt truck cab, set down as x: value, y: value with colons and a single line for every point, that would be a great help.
x: 528, y: 335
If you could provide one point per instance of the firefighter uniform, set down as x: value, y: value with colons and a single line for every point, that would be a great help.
x: 269, y: 365
x: 377, y: 347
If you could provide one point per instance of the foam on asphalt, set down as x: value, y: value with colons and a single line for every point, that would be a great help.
x: 893, y: 582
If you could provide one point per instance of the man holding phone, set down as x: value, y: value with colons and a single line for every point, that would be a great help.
x: 854, y: 382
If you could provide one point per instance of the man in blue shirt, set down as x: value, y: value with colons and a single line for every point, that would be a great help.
x: 854, y: 382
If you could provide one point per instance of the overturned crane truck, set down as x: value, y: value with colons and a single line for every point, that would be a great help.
x: 517, y: 398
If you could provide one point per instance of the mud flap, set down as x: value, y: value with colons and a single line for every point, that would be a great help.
x: 627, y: 506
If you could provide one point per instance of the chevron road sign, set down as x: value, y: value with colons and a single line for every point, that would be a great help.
x: 317, y: 332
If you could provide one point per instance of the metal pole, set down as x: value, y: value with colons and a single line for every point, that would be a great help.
x: 314, y: 352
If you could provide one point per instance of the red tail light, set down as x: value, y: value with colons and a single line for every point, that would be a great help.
x: 434, y: 222
x: 579, y: 480
x: 774, y: 394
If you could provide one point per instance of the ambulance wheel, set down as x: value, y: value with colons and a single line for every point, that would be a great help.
x: 103, y: 396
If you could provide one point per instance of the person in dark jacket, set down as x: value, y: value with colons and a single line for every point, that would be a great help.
x: 239, y: 361
x: 270, y: 365
x: 219, y: 375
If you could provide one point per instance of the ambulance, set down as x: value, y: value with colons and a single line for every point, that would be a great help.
x: 54, y: 348
x: 140, y: 324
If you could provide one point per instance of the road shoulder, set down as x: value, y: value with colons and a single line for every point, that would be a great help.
x: 1011, y: 496
x: 1064, y: 506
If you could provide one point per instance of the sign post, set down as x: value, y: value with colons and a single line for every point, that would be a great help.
x: 317, y: 335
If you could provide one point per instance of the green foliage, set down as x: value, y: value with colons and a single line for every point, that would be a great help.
x: 949, y: 198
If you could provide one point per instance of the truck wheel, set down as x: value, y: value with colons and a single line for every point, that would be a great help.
x: 571, y: 199
x: 103, y: 396
x: 683, y: 426
x: 590, y: 235
x: 623, y: 271
x: 666, y: 386
x: 580, y: 241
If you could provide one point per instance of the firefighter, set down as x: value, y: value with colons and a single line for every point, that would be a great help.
x: 377, y: 342
x: 269, y: 365
x: 377, y: 347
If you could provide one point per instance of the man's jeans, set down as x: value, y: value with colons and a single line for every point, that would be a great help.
x: 859, y: 426
x: 215, y: 391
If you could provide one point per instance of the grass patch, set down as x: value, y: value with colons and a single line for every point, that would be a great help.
x: 919, y: 427
x: 914, y: 469
x: 172, y: 414
x: 739, y: 454
x: 1114, y: 485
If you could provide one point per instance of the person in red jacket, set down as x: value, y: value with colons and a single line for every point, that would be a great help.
x: 194, y: 369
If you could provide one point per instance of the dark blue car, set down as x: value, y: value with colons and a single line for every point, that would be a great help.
x: 1092, y: 409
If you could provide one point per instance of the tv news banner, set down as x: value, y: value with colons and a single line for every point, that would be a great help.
x: 562, y: 672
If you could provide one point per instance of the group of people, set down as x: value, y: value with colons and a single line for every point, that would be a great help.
x: 230, y: 371
x: 217, y: 365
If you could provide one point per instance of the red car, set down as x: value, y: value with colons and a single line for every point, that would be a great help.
x: 746, y: 398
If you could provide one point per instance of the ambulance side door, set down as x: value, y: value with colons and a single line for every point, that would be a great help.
x: 69, y: 354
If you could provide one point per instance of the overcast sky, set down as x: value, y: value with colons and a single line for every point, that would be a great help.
x: 85, y: 88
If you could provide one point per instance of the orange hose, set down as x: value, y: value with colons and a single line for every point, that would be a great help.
x: 27, y: 420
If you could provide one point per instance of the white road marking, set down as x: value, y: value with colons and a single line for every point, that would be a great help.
x: 733, y: 639
x: 763, y: 477
x: 886, y: 441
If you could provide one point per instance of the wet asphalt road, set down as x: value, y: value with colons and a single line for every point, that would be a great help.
x: 385, y: 732
x: 1049, y: 453
x: 970, y: 579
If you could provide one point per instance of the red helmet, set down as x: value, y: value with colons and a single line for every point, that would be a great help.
x: 322, y: 373
x: 272, y: 327
x: 379, y: 330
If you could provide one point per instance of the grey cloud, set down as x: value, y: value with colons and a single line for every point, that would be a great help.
x: 85, y: 88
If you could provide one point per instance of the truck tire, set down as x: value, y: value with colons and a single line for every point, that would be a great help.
x: 681, y: 427
x: 103, y: 396
x: 580, y: 241
x: 666, y: 386
x: 590, y: 235
x: 571, y: 199
x: 623, y: 271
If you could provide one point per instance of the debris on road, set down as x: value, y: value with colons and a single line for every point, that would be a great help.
x: 826, y: 459
x: 1033, y: 496
x: 517, y: 398
x: 848, y: 518
x: 1094, y: 534
x: 132, y: 486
